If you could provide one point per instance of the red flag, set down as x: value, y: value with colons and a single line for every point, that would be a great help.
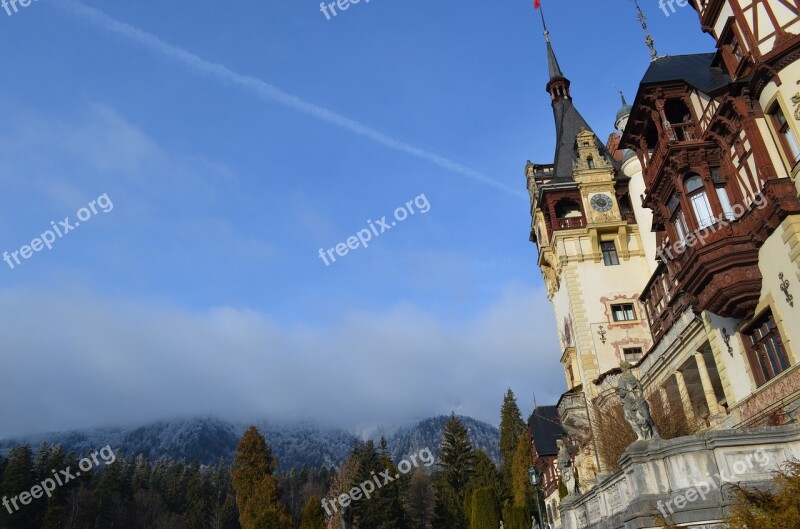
x: 537, y: 4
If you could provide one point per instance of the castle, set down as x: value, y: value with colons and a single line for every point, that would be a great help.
x: 672, y: 251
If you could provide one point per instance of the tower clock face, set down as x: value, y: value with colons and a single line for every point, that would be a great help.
x: 602, y: 202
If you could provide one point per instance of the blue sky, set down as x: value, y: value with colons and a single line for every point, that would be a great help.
x: 236, y: 139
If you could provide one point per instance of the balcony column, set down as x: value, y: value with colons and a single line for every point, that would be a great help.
x: 708, y: 388
x: 665, y: 400
x: 688, y: 409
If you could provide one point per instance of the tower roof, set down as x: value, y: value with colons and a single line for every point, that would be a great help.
x: 569, y: 121
x: 552, y: 61
x: 625, y: 110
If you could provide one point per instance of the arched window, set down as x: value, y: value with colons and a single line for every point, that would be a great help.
x: 590, y: 162
x: 567, y: 208
x: 696, y: 193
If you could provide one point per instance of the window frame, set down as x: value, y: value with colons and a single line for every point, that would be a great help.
x: 629, y: 351
x: 610, y: 258
x: 696, y: 196
x: 624, y: 311
x: 765, y: 361
x: 788, y: 142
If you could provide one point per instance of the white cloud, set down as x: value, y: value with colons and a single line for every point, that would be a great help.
x: 74, y: 359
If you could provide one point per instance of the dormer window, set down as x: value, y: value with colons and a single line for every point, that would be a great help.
x: 590, y: 162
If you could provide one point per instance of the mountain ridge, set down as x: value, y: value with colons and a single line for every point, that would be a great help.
x: 295, y: 444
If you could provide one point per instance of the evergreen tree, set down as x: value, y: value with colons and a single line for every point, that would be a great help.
x: 57, y: 502
x: 19, y: 477
x: 523, y: 459
x: 389, y: 499
x: 257, y: 493
x: 515, y: 517
x: 199, y: 497
x: 367, y: 514
x: 3, y: 492
x: 511, y: 426
x: 457, y: 457
x: 485, y: 509
x: 141, y: 473
x: 485, y: 474
x: 457, y: 460
x: 420, y: 501
x: 449, y: 512
x: 313, y: 516
x: 108, y: 494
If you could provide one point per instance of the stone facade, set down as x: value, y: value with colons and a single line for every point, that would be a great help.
x: 682, y: 480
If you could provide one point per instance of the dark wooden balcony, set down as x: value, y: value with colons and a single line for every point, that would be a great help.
x: 571, y: 223
x: 720, y: 269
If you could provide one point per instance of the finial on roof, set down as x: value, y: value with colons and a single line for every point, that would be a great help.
x: 648, y: 40
x: 552, y: 62
x: 622, y: 96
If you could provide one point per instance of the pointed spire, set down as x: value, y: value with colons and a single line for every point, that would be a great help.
x: 648, y: 39
x: 552, y: 62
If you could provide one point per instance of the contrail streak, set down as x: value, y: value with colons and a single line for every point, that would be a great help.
x: 270, y: 93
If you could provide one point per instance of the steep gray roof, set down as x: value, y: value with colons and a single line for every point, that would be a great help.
x: 545, y: 426
x: 569, y: 123
x: 552, y: 63
x: 695, y: 70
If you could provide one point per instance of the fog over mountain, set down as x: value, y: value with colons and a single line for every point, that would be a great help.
x: 295, y: 444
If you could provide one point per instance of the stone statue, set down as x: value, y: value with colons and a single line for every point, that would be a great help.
x: 565, y: 467
x: 347, y: 517
x: 637, y: 410
x: 534, y: 524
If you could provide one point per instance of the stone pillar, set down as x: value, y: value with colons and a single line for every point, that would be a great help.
x: 688, y: 409
x: 708, y: 388
x: 665, y: 400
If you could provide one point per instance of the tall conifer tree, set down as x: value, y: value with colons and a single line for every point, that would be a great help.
x: 257, y: 492
x: 511, y: 426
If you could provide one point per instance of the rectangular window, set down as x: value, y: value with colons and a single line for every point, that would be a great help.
x: 765, y: 349
x: 702, y: 209
x: 609, y: 249
x: 786, y: 136
x: 623, y: 312
x: 681, y: 229
x: 633, y: 354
